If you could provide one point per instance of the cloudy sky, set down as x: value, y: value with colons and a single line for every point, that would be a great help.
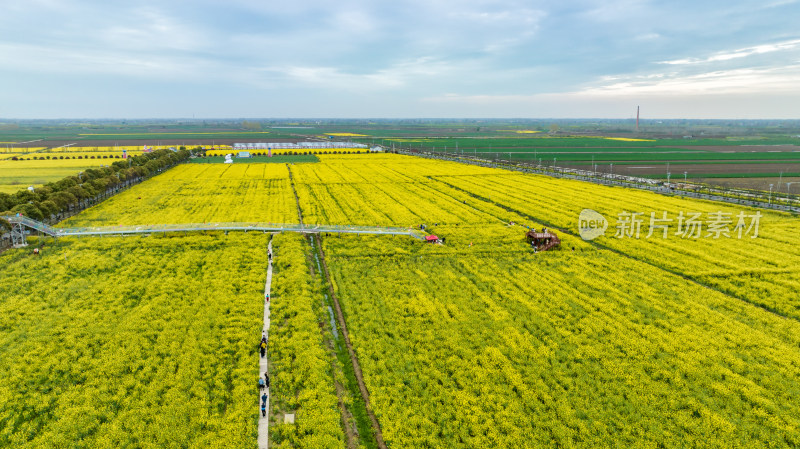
x: 400, y: 58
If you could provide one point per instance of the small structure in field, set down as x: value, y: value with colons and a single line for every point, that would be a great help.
x: 433, y: 239
x: 542, y: 241
x: 243, y: 154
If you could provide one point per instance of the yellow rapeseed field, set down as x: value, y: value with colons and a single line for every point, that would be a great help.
x: 277, y: 151
x: 628, y: 139
x: 634, y: 339
x: 19, y: 174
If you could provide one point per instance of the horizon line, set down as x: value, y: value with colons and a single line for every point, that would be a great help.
x: 195, y: 119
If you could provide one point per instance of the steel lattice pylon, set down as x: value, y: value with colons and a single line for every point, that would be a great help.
x: 18, y: 234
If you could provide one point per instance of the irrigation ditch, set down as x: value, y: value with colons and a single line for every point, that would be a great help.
x: 367, y: 428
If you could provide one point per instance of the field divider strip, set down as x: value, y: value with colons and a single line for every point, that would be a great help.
x: 296, y: 198
x: 376, y: 428
x: 329, y: 341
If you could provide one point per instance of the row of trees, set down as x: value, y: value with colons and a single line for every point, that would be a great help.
x: 57, y: 199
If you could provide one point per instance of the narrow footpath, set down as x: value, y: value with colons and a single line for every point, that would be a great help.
x: 263, y: 367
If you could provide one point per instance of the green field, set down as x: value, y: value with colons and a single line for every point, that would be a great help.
x: 727, y: 145
x: 614, y: 155
x: 524, y: 141
x: 122, y: 132
x: 476, y: 135
x: 744, y: 175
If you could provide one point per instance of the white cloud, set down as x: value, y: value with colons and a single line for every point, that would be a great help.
x: 780, y: 3
x: 70, y: 60
x: 485, y: 100
x: 504, y: 18
x: 583, y: 105
x: 394, y: 76
x: 738, y: 53
x: 615, y: 11
x: 495, y: 55
x: 647, y: 37
x: 149, y: 28
x: 736, y: 81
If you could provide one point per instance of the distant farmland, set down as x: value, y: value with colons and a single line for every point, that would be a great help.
x: 735, y: 160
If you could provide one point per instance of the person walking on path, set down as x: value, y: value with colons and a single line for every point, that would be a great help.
x: 263, y: 420
x: 261, y: 384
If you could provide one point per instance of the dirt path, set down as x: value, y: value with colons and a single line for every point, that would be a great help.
x: 347, y: 417
x: 263, y: 366
x: 296, y: 198
x: 376, y: 428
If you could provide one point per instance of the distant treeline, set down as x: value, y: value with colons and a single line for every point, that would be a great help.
x: 58, y: 198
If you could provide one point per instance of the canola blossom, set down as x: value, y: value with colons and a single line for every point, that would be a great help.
x: 301, y: 374
x: 479, y: 342
x: 201, y: 193
x: 147, y: 341
x: 528, y: 350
